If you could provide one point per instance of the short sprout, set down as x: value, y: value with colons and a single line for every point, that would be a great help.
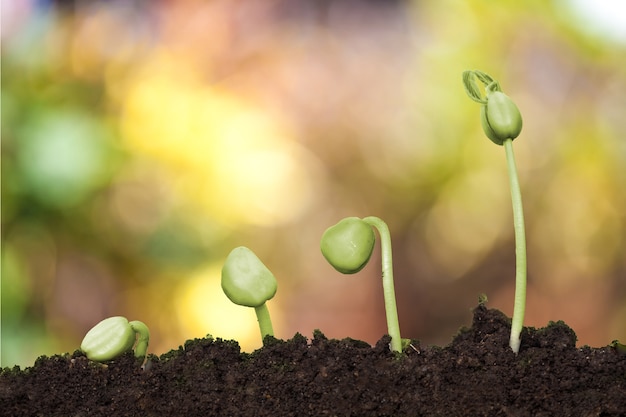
x: 246, y: 281
x: 114, y: 336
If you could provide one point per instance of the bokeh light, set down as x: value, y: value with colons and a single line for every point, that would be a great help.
x: 238, y: 162
x: 142, y: 141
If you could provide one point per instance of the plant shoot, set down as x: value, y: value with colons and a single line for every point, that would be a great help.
x: 348, y: 246
x: 502, y: 122
x: 246, y: 281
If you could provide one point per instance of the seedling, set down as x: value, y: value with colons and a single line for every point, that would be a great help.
x: 246, y: 281
x: 348, y: 246
x: 114, y: 336
x: 618, y: 347
x: 502, y: 122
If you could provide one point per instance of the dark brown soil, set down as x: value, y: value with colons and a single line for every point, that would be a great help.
x: 476, y: 375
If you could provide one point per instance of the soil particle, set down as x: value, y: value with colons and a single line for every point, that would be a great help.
x: 477, y: 374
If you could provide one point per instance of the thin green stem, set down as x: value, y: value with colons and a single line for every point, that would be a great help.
x: 265, y: 323
x: 393, y: 325
x: 520, y: 249
x: 141, y: 346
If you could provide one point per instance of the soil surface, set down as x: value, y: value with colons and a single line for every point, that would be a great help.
x: 477, y: 374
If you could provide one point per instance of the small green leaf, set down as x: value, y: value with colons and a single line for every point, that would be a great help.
x: 482, y: 299
x: 485, y: 78
x: 246, y: 280
x: 348, y: 245
x: 471, y: 88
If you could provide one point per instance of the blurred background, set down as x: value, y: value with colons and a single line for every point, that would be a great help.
x: 143, y: 140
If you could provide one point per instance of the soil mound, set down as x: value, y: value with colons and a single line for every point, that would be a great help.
x: 477, y: 374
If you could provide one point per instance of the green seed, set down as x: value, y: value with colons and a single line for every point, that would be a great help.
x: 502, y: 119
x: 348, y: 245
x: 246, y: 281
x: 108, y: 339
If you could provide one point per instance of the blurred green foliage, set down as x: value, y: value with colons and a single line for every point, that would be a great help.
x: 142, y: 142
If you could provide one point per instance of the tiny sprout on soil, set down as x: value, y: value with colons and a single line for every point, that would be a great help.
x: 502, y: 122
x: 618, y: 346
x: 246, y: 281
x: 114, y: 336
x: 348, y: 246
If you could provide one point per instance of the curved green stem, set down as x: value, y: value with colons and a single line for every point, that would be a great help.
x: 393, y: 325
x: 265, y: 324
x: 141, y: 346
x: 520, y: 249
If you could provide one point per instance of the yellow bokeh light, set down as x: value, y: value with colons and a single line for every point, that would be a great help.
x: 203, y: 308
x: 225, y: 154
